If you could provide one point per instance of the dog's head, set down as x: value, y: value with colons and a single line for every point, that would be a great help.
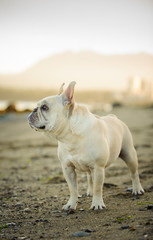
x: 51, y: 112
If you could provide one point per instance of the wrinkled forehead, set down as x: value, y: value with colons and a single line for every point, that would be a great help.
x: 48, y: 101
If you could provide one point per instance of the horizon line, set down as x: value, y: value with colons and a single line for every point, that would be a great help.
x: 35, y: 62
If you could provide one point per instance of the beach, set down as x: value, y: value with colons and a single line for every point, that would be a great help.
x: 33, y: 189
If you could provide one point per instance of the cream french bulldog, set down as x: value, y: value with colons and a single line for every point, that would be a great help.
x: 86, y: 142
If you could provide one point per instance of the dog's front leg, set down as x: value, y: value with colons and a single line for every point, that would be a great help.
x: 71, y: 178
x: 98, y: 181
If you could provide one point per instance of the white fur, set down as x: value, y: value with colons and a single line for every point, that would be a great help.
x: 88, y: 143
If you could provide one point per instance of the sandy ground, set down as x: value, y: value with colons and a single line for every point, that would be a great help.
x: 33, y: 190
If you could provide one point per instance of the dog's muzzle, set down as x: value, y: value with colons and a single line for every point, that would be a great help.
x: 34, y: 120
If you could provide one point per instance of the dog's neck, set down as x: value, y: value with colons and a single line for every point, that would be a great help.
x: 78, y: 120
x: 73, y: 124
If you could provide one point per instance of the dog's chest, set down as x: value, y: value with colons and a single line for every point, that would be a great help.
x: 80, y: 163
x: 81, y: 160
x: 81, y: 155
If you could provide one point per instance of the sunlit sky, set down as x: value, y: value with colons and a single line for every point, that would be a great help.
x: 34, y: 29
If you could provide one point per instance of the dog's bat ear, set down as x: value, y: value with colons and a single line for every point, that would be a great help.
x: 61, y: 89
x: 68, y: 94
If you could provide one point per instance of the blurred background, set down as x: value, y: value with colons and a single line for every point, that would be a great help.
x: 105, y: 46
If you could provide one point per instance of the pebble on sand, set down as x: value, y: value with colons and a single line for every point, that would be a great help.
x: 80, y: 234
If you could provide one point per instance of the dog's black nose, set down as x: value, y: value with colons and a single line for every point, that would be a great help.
x: 35, y: 110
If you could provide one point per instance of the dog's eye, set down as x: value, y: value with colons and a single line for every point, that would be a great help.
x: 44, y: 107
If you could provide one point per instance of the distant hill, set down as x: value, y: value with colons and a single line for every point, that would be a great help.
x: 90, y: 71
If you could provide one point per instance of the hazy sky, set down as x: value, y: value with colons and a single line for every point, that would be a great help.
x: 34, y: 29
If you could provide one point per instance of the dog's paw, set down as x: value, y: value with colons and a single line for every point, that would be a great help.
x: 89, y: 193
x: 137, y: 188
x: 79, y: 195
x: 98, y: 205
x: 67, y: 207
x: 138, y: 192
x: 70, y: 205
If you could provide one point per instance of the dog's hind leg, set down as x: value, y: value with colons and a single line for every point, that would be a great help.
x: 90, y: 184
x: 130, y: 158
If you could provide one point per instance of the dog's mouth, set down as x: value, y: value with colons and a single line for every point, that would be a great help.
x: 42, y: 127
x: 33, y: 123
x: 37, y: 128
